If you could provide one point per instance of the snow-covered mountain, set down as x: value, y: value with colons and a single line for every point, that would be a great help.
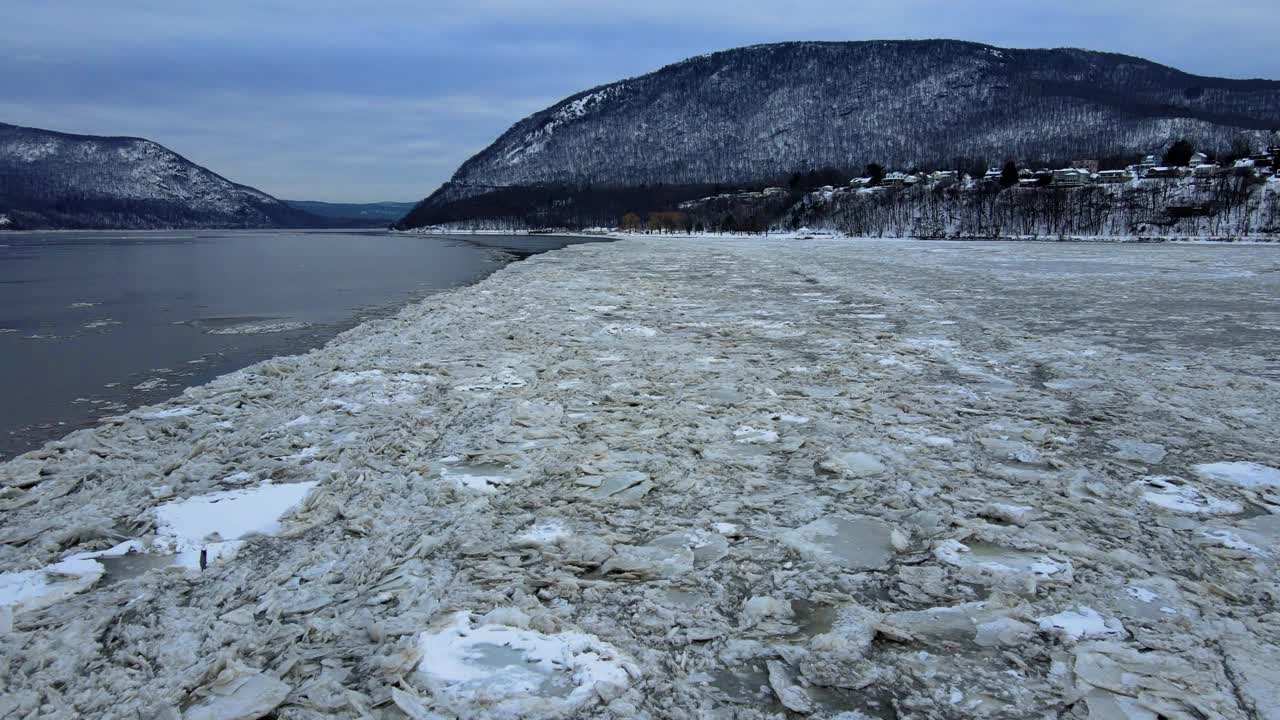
x: 57, y: 180
x: 763, y: 113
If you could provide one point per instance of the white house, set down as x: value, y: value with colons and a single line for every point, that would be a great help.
x: 1071, y: 177
x: 1114, y: 176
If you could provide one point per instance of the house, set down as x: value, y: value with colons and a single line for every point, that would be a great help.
x: 1147, y: 163
x: 1209, y: 170
x: 940, y: 175
x: 1115, y: 176
x: 1163, y: 172
x: 894, y: 179
x: 1199, y: 159
x: 775, y: 191
x: 1090, y: 165
x: 1030, y: 182
x: 993, y: 175
x: 1071, y: 177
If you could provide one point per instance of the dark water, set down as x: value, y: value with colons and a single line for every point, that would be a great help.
x: 94, y: 323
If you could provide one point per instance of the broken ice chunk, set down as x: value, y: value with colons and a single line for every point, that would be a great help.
x: 1007, y: 512
x: 1105, y: 705
x: 1171, y: 494
x: 707, y: 547
x: 624, y: 485
x: 792, y: 696
x: 495, y: 670
x: 1231, y: 540
x: 989, y: 564
x: 858, y: 543
x: 546, y: 532
x: 186, y: 526
x: 760, y: 608
x: 1080, y: 624
x: 634, y: 330
x: 856, y: 464
x: 170, y: 413
x: 643, y: 561
x: 239, y: 693
x: 1245, y: 474
x: 748, y: 434
x: 29, y: 590
x: 1138, y: 451
x: 483, y: 480
x: 1153, y: 600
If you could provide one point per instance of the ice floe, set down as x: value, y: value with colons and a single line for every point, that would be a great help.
x: 1172, y: 494
x: 499, y: 668
x: 857, y: 543
x: 1249, y: 475
x: 29, y: 590
x: 208, y: 527
x: 990, y: 564
x: 1081, y: 623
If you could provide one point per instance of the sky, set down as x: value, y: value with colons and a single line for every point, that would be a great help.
x: 384, y: 99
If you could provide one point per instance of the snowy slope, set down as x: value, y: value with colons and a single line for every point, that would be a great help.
x: 52, y: 179
x: 764, y: 112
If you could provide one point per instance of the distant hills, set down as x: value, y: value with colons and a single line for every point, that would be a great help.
x: 761, y: 115
x: 57, y: 180
x: 378, y: 214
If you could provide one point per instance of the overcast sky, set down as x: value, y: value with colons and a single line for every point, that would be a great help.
x: 383, y: 99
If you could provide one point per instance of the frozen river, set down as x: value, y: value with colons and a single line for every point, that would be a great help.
x: 92, y: 323
x: 693, y: 478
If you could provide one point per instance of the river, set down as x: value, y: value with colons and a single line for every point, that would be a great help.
x: 97, y: 322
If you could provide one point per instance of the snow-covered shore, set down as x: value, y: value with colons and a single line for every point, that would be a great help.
x: 692, y: 478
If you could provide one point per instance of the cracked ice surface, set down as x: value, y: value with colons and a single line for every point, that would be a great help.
x: 693, y: 478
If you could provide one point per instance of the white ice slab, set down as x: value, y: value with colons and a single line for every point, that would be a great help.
x: 187, y: 525
x: 498, y: 670
x: 34, y: 589
x: 1245, y: 474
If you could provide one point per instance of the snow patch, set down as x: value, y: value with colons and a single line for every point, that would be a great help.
x: 1170, y: 494
x: 217, y: 523
x: 501, y: 671
x: 170, y: 413
x: 1081, y: 624
x: 1245, y: 474
x: 35, y: 589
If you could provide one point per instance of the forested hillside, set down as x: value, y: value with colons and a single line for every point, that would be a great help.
x: 760, y: 115
x: 56, y: 180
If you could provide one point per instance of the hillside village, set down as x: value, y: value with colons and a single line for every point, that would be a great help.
x: 1181, y: 192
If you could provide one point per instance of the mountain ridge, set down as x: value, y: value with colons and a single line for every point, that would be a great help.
x: 762, y: 112
x: 53, y: 179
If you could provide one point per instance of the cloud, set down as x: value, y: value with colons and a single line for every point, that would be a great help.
x: 384, y: 99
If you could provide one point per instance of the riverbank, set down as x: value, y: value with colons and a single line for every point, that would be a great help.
x: 161, y: 311
x: 674, y: 478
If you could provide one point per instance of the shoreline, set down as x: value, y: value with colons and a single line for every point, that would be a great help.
x: 36, y: 423
x: 836, y: 235
x: 688, y: 470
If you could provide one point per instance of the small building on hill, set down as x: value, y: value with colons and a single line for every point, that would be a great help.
x: 894, y: 179
x: 1071, y: 177
x: 1112, y: 177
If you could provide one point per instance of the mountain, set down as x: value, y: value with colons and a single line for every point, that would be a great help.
x: 762, y: 114
x: 57, y: 180
x: 378, y: 214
